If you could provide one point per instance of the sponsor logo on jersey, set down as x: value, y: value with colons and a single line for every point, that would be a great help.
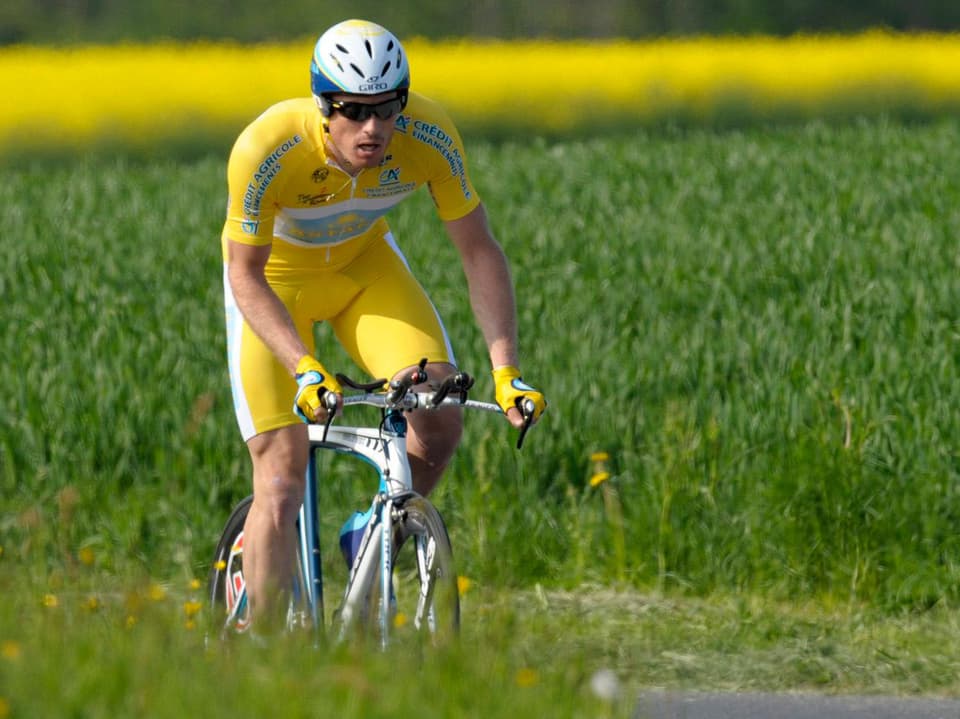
x: 250, y: 227
x: 390, y: 177
x: 396, y: 188
x: 314, y: 200
x: 402, y: 123
x: 264, y: 174
x: 320, y: 174
x: 435, y: 137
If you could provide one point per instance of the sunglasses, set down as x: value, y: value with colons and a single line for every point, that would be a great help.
x: 361, y: 111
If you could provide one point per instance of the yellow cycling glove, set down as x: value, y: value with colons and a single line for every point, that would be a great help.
x: 511, y: 389
x: 313, y: 381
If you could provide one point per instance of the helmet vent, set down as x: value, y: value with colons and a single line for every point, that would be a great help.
x: 385, y: 69
x: 390, y: 46
x: 358, y: 71
x: 366, y: 44
x: 342, y: 49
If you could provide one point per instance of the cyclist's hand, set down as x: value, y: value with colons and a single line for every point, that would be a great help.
x: 511, y: 390
x: 313, y: 382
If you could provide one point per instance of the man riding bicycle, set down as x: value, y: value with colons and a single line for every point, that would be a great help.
x: 305, y: 241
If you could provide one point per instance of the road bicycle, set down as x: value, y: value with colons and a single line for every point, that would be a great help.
x: 387, y: 590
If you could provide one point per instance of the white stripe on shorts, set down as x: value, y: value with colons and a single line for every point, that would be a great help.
x: 235, y: 323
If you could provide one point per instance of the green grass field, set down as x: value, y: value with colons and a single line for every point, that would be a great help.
x: 759, y: 327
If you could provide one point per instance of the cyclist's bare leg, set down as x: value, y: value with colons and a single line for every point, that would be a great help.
x: 269, y: 535
x: 432, y: 435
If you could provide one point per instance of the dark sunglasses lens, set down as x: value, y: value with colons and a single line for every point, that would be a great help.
x: 361, y: 111
x: 386, y: 110
x: 353, y: 110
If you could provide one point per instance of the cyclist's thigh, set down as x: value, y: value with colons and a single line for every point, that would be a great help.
x: 391, y: 323
x: 263, y: 389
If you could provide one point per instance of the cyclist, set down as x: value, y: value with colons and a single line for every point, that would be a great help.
x: 305, y: 241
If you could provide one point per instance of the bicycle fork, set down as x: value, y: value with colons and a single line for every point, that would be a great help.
x: 309, y: 533
x: 375, y: 553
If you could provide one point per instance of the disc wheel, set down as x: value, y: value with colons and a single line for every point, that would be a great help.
x: 227, y: 587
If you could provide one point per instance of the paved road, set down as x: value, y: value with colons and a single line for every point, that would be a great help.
x: 673, y: 705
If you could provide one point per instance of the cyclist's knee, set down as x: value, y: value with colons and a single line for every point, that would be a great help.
x: 279, y: 465
x: 437, y: 432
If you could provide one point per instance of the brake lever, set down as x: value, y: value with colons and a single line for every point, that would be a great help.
x: 330, y: 402
x: 527, y: 409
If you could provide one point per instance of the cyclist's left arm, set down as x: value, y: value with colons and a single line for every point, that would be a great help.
x: 492, y: 299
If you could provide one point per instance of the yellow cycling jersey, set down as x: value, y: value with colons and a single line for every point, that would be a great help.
x: 285, y: 189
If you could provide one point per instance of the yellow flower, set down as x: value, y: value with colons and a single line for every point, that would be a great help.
x: 527, y: 677
x: 190, y: 625
x: 156, y: 592
x: 220, y: 566
x: 400, y: 620
x: 599, y: 478
x: 194, y: 584
x: 463, y: 585
x: 4, y: 708
x: 50, y: 601
x: 131, y: 621
x: 92, y: 603
x: 86, y: 556
x: 599, y: 457
x: 10, y: 650
x: 192, y: 608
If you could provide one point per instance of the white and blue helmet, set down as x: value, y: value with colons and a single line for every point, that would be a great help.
x: 359, y: 58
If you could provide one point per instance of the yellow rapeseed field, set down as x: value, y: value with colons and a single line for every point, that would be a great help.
x: 142, y: 95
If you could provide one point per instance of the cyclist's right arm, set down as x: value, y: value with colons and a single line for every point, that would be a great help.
x: 261, y: 307
x: 271, y: 322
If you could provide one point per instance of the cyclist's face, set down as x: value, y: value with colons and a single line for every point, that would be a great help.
x: 363, y: 142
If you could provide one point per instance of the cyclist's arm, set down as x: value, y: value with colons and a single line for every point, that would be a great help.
x: 491, y: 288
x: 261, y: 307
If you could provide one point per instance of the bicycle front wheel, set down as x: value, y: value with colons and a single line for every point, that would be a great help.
x: 425, y: 602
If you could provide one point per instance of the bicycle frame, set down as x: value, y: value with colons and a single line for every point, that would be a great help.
x: 385, y: 450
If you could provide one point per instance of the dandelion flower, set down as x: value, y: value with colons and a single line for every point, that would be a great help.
x: 220, y: 565
x: 92, y: 603
x: 156, y: 592
x: 400, y: 620
x: 192, y: 608
x: 50, y: 601
x: 599, y: 478
x: 10, y: 650
x: 599, y: 457
x: 86, y: 556
x: 527, y: 677
x: 194, y: 584
x: 4, y: 708
x: 463, y: 585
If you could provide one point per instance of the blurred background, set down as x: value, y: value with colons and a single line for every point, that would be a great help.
x: 99, y: 21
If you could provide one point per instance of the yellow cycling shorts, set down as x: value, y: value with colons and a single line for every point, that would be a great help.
x: 377, y: 309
